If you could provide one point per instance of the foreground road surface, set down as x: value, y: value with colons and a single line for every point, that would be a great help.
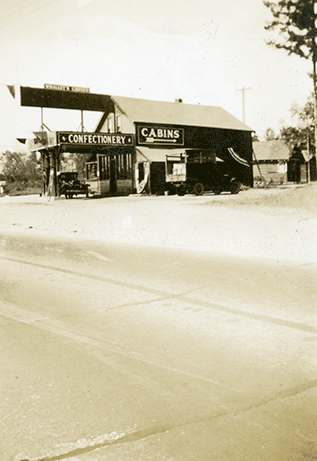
x: 128, y: 353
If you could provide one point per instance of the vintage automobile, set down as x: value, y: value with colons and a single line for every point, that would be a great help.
x: 70, y: 185
x: 196, y: 172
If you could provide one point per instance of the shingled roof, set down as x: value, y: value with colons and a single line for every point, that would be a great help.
x: 271, y: 150
x: 178, y: 113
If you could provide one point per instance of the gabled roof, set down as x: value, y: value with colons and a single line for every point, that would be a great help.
x: 178, y: 113
x: 271, y: 150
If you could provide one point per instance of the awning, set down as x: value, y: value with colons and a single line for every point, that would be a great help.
x: 227, y: 155
x: 237, y: 157
x: 158, y: 155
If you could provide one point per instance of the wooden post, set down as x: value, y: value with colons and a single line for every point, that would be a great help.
x: 51, y: 184
x: 53, y: 187
x: 308, y: 153
x: 315, y: 88
x: 315, y: 109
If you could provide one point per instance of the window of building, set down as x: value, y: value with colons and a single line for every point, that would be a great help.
x: 197, y: 156
x: 104, y: 167
x: 91, y: 170
x: 124, y: 166
x: 118, y: 123
x: 110, y: 125
x: 272, y: 168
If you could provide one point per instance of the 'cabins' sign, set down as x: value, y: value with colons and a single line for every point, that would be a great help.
x: 96, y: 139
x: 160, y: 135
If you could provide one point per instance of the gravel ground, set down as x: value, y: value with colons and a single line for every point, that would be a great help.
x: 278, y: 223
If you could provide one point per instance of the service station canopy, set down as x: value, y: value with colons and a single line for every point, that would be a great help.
x: 79, y: 142
x: 73, y: 98
x: 65, y: 98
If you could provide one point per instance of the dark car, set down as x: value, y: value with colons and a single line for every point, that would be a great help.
x: 70, y: 185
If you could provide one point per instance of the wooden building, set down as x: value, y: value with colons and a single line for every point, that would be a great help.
x: 270, y: 162
x: 130, y: 143
x: 277, y: 163
x: 159, y: 129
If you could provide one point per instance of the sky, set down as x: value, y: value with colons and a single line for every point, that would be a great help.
x: 202, y: 51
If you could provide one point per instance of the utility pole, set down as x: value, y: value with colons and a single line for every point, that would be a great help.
x: 243, y: 90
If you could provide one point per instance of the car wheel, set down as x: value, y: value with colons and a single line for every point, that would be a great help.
x: 181, y: 191
x: 235, y: 187
x: 171, y: 191
x: 198, y: 188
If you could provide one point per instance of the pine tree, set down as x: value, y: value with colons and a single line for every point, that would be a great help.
x: 295, y: 22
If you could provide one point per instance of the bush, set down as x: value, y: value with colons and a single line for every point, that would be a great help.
x: 22, y: 173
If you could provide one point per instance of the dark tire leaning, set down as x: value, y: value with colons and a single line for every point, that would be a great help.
x: 235, y: 187
x: 198, y: 188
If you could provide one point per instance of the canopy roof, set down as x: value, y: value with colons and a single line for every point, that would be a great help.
x: 43, y: 97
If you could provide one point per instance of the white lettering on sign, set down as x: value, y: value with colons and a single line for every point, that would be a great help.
x: 158, y: 135
x: 76, y: 89
x: 96, y: 138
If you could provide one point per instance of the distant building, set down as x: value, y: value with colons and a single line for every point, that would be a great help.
x: 276, y: 163
x: 270, y: 161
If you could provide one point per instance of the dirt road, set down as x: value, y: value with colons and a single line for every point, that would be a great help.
x: 110, y: 352
x: 271, y: 223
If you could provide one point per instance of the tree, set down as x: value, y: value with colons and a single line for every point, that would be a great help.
x: 293, y: 136
x: 304, y: 115
x: 79, y: 162
x: 21, y: 171
x: 270, y: 134
x: 295, y: 22
x: 301, y: 134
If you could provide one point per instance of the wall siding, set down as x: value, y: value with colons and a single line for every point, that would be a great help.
x: 270, y: 173
x: 124, y: 186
